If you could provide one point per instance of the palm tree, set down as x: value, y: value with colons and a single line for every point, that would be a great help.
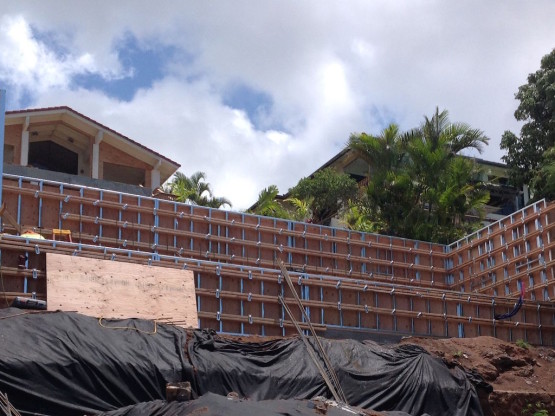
x: 440, y: 173
x: 419, y: 187
x: 267, y: 204
x: 390, y: 194
x: 195, y: 190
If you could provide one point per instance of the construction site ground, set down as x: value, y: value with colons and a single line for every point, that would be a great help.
x: 522, y: 376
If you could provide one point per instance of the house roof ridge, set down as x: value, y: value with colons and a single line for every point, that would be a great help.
x: 103, y: 126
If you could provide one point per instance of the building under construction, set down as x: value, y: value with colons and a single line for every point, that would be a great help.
x: 72, y: 242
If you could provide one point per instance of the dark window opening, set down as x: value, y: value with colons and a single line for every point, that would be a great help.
x: 124, y: 174
x: 51, y: 156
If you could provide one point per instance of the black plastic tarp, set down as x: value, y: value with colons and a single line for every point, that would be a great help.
x: 57, y: 363
x: 404, y: 378
x: 215, y: 405
x: 70, y: 364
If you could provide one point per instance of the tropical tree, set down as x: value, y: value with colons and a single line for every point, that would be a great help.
x: 439, y: 174
x: 390, y: 198
x: 525, y: 153
x: 418, y: 185
x: 268, y: 205
x: 326, y: 192
x: 299, y: 209
x: 195, y: 190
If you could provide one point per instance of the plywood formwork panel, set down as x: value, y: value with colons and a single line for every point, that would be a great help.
x: 120, y: 290
x: 250, y: 248
x: 208, y: 235
x: 314, y: 245
x: 436, y: 307
x: 350, y: 313
x: 386, y: 319
x: 403, y: 323
x: 342, y: 248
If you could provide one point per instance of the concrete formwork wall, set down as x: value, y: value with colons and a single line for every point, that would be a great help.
x: 514, y: 251
x: 344, y: 278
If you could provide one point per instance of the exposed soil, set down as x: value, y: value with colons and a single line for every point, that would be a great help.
x: 522, y: 377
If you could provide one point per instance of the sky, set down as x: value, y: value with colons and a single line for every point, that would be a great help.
x: 255, y: 93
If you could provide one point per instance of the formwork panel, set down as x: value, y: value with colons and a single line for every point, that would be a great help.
x: 420, y: 323
x: 327, y: 247
x: 331, y: 313
x: 315, y: 311
x: 267, y: 240
x: 386, y: 321
x: 436, y: 307
x: 251, y: 252
x: 199, y: 244
x: 368, y: 318
x: 403, y: 304
x: 230, y: 305
x: 349, y: 297
x: 313, y: 243
x: 297, y: 258
x: 111, y: 289
x: 453, y: 309
x: 342, y: 249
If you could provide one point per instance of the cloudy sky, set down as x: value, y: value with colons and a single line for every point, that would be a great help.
x: 264, y: 92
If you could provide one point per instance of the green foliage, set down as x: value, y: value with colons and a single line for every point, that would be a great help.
x: 525, y: 154
x: 522, y: 344
x: 267, y: 204
x: 194, y: 190
x: 536, y: 409
x: 300, y: 208
x: 418, y: 186
x: 457, y: 354
x: 328, y: 191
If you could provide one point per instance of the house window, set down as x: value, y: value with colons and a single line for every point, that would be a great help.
x: 125, y: 174
x: 49, y: 155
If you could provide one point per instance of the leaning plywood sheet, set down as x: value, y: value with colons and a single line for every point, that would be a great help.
x: 111, y: 289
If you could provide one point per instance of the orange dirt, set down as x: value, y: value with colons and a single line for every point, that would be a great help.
x: 522, y: 377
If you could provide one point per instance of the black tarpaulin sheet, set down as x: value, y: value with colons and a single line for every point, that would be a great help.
x: 404, y: 378
x: 215, y: 405
x: 68, y: 364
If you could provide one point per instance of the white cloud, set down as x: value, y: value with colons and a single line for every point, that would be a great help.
x: 329, y: 71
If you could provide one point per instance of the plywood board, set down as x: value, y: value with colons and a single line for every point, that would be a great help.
x: 111, y: 289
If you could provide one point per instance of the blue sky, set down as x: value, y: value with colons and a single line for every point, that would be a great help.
x: 261, y: 93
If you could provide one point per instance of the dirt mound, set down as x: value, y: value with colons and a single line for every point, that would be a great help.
x: 522, y: 376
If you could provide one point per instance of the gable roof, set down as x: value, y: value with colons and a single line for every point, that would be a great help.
x: 120, y: 140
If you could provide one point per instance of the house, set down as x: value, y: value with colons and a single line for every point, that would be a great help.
x: 61, y: 144
x: 504, y: 199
